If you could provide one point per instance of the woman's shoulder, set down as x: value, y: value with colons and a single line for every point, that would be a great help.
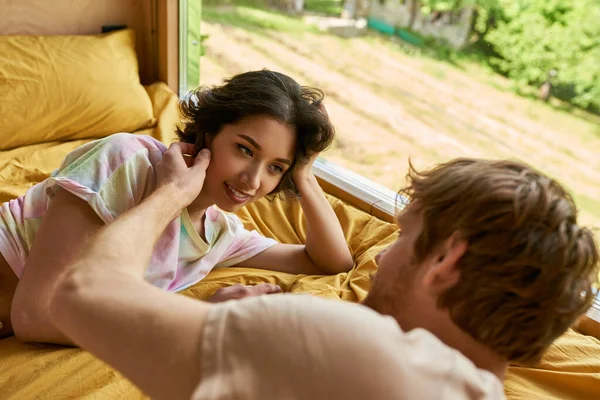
x: 115, y: 150
x: 128, y: 141
x: 122, y: 157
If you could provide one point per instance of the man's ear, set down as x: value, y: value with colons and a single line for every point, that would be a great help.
x: 442, y: 273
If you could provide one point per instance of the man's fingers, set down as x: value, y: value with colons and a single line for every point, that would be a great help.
x: 180, y: 148
x: 202, y: 159
x: 187, y: 148
x: 174, y: 152
x: 186, y: 151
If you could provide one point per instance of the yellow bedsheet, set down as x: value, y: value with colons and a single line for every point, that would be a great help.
x: 571, y: 369
x: 40, y: 371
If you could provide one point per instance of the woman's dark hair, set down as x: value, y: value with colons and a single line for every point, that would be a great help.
x: 255, y: 93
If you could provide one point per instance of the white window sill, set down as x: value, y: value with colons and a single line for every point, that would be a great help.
x: 594, y: 311
x: 357, y: 190
x: 376, y: 199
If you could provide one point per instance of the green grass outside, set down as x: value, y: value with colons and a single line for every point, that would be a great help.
x: 437, y: 61
x: 194, y: 43
x: 327, y: 7
x: 254, y: 19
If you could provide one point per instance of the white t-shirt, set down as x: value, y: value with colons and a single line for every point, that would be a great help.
x: 303, y: 347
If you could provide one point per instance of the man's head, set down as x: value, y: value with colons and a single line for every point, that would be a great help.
x: 494, y: 247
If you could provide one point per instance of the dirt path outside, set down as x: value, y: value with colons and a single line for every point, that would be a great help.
x: 388, y: 107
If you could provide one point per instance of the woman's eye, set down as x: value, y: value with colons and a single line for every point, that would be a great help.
x: 245, y: 150
x: 277, y: 169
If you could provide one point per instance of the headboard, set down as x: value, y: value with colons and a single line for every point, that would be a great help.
x: 154, y: 21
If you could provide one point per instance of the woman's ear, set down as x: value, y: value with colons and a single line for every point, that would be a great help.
x: 203, y: 141
x: 208, y: 140
x: 442, y: 272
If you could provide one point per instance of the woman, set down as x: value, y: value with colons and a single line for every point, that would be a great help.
x: 263, y: 131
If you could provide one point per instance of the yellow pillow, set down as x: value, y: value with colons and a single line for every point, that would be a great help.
x: 70, y: 87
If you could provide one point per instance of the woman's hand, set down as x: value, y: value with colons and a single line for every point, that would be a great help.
x: 304, y: 171
x: 240, y: 291
x: 179, y: 169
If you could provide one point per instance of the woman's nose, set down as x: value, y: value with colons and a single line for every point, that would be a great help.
x: 251, y: 178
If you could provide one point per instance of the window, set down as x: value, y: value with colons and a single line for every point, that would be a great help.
x: 397, y: 94
x: 190, y: 46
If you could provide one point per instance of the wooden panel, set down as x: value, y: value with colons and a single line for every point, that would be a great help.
x: 168, y: 43
x: 382, y: 213
x: 67, y: 17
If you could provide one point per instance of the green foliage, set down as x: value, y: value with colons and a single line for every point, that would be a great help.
x: 536, y: 37
x: 522, y: 39
x: 530, y: 38
x: 193, y: 43
x: 255, y: 18
x: 329, y: 7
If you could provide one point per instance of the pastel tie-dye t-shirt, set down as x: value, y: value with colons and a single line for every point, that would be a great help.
x: 113, y: 175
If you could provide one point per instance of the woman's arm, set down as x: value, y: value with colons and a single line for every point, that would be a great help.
x: 325, y: 241
x: 66, y: 227
x: 69, y: 221
x: 326, y: 250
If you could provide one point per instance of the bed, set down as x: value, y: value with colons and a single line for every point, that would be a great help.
x: 570, y: 370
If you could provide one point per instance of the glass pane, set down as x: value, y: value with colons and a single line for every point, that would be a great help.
x: 190, y: 44
x: 430, y: 80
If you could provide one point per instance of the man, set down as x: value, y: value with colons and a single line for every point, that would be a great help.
x: 490, y: 267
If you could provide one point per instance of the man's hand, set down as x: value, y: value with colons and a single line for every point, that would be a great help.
x: 240, y: 291
x: 185, y: 173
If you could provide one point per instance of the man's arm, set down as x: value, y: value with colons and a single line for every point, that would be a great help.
x: 104, y: 305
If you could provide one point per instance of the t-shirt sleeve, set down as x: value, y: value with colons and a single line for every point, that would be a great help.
x: 112, y: 174
x: 303, y: 347
x: 244, y: 244
x: 291, y: 346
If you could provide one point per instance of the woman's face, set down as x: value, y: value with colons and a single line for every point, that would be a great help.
x: 248, y: 160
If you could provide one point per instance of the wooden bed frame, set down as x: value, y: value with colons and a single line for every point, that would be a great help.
x: 154, y: 21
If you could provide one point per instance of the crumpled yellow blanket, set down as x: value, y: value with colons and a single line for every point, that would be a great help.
x: 41, y: 371
x: 570, y: 370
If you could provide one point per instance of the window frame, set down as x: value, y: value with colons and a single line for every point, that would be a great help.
x: 338, y: 181
x: 182, y: 44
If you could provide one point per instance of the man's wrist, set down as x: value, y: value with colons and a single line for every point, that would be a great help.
x: 169, y: 200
